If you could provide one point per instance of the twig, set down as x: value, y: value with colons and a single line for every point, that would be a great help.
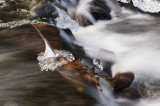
x: 41, y: 35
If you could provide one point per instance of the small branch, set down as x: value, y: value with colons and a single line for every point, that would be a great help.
x: 41, y: 35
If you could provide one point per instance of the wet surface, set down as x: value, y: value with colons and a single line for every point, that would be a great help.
x: 22, y: 82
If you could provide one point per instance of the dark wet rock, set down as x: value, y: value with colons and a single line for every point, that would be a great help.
x: 44, y: 9
x: 13, y: 10
x: 100, y: 10
x: 129, y: 93
x: 121, y: 80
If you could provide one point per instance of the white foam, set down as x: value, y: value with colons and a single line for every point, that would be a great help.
x: 137, y: 51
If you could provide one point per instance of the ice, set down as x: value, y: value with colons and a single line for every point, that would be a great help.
x: 98, y: 63
x: 52, y: 63
x: 13, y: 24
x: 152, y: 6
x: 64, y: 21
x: 124, y: 1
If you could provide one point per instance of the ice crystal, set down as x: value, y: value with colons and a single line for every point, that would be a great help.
x: 98, y: 63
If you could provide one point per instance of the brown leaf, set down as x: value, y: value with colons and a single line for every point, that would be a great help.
x: 78, y: 70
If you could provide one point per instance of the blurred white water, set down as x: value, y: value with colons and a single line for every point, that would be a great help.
x: 106, y: 97
x: 130, y: 40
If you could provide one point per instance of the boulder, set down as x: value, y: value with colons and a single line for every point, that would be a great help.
x: 44, y: 9
x: 121, y: 80
x: 99, y: 11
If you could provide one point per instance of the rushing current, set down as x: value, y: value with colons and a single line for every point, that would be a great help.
x: 130, y: 40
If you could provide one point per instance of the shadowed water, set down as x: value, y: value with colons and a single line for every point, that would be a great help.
x: 21, y: 81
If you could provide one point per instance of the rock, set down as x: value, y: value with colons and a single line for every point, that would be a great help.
x: 14, y: 10
x: 130, y: 93
x: 79, y: 72
x: 99, y: 11
x: 43, y: 10
x: 121, y: 80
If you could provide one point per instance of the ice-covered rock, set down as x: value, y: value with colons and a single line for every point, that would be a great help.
x: 152, y: 6
x: 64, y: 21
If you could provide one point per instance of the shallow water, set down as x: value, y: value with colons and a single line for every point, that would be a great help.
x: 130, y: 40
x: 22, y: 83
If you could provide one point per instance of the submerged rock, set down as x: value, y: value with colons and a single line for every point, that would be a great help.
x: 121, y: 80
x: 148, y: 88
x: 130, y: 93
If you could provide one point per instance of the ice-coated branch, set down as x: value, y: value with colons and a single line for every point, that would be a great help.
x: 49, y: 51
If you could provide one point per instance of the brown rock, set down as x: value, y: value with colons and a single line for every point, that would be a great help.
x: 121, y: 80
x: 79, y: 71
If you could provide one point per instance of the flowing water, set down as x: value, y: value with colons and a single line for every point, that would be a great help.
x: 130, y: 40
x: 21, y: 81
